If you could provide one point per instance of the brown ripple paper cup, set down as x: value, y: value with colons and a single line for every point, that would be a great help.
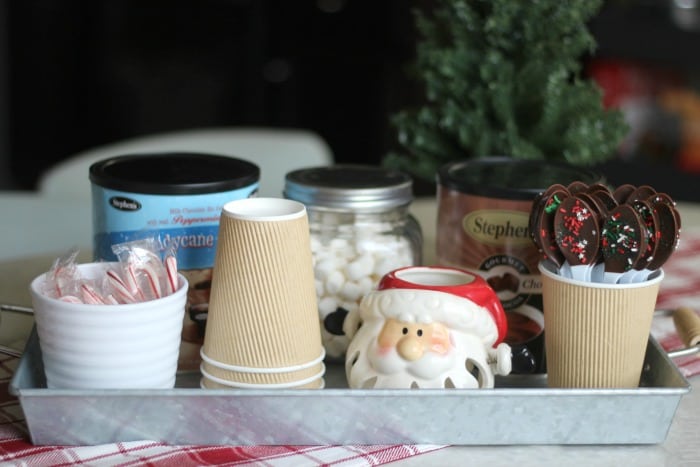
x: 596, y: 334
x: 262, y: 310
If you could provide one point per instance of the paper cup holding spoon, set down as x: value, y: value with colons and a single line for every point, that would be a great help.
x: 597, y: 333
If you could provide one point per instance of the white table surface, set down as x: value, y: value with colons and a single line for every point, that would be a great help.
x: 36, y: 230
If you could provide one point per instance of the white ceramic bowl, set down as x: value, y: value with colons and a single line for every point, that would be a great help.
x: 109, y: 346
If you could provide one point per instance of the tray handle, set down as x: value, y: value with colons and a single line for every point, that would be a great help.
x: 687, y: 324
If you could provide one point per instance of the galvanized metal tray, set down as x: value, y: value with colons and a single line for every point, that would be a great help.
x: 520, y: 410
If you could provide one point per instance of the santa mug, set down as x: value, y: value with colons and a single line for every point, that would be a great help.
x: 428, y: 327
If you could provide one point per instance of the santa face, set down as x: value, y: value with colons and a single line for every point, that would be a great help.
x: 398, y: 354
x: 423, y: 350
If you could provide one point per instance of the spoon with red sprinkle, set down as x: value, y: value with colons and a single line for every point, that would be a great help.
x: 578, y: 236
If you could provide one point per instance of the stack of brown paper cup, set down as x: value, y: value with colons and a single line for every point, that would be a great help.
x: 263, y: 328
x: 596, y: 334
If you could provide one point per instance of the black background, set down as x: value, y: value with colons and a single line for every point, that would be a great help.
x: 83, y: 73
x: 86, y: 73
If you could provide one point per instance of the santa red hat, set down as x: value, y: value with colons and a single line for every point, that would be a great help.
x: 457, y: 298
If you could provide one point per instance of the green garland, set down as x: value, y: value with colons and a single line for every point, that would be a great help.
x: 503, y: 77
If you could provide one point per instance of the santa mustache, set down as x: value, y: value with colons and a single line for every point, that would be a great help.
x: 385, y: 368
x: 430, y: 365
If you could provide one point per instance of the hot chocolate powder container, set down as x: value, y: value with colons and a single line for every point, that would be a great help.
x: 483, y: 211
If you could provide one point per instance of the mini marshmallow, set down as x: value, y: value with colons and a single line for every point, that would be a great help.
x: 320, y: 290
x: 334, y: 282
x: 336, y: 345
x: 350, y: 306
x: 338, y: 244
x: 324, y: 268
x: 386, y: 265
x: 316, y: 244
x: 360, y: 268
x: 350, y: 291
x: 327, y: 305
x: 366, y: 285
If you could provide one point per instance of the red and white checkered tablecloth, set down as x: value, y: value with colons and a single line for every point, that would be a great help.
x: 679, y: 288
x: 16, y: 449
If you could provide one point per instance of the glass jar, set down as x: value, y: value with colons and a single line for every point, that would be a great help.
x: 360, y: 229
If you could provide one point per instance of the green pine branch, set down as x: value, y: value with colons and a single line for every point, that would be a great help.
x: 503, y: 77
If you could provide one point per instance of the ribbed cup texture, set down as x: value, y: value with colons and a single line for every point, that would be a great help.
x: 596, y: 337
x: 262, y: 309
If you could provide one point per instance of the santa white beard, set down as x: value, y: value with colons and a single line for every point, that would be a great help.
x: 464, y: 366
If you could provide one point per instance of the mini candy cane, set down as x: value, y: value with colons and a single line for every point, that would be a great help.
x: 171, y: 270
x: 70, y: 299
x: 144, y: 273
x: 150, y: 280
x: 63, y: 279
x: 110, y: 300
x: 132, y: 283
x: 116, y: 283
x: 170, y: 261
x: 91, y: 296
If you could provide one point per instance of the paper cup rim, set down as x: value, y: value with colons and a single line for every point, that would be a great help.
x: 202, y: 386
x: 264, y: 209
x: 35, y: 291
x: 261, y: 370
x: 242, y: 385
x: 547, y: 267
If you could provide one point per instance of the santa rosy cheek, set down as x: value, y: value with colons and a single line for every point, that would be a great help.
x: 386, y: 339
x: 384, y: 349
x: 441, y: 346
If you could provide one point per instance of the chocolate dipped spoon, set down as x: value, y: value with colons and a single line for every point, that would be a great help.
x: 578, y: 237
x: 664, y: 198
x: 650, y: 221
x: 594, y: 203
x: 661, y: 198
x: 545, y: 225
x: 538, y: 205
x: 576, y: 187
x: 598, y: 187
x: 622, y: 192
x: 641, y: 193
x: 533, y: 219
x: 669, y: 234
x: 601, y: 210
x: 622, y: 241
x: 606, y: 198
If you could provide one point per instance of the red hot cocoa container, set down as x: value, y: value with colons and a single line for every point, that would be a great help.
x: 175, y: 198
x: 484, y: 208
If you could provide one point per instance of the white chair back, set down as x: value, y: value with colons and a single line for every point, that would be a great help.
x: 276, y: 151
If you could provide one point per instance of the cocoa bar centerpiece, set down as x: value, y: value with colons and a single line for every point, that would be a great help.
x: 595, y: 234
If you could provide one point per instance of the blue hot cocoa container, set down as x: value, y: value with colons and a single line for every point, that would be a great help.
x: 175, y: 198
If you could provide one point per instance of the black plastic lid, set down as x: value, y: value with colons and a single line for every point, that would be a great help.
x: 507, y: 178
x: 174, y: 173
x: 349, y: 187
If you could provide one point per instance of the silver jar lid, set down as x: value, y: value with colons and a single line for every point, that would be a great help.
x: 359, y: 188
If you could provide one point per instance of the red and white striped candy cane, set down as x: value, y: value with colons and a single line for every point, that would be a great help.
x: 119, y: 287
x: 70, y: 299
x: 91, y: 296
x: 171, y: 271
